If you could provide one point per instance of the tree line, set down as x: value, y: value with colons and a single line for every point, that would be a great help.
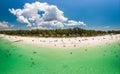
x: 75, y: 32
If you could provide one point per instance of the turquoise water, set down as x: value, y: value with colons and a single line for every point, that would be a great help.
x: 19, y: 58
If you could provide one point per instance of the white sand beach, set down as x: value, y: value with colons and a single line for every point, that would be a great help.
x: 64, y: 42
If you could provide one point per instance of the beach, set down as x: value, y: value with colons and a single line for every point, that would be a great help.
x: 22, y: 57
x: 64, y: 42
x: 60, y: 37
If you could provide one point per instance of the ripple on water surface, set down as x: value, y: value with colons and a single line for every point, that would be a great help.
x: 21, y: 58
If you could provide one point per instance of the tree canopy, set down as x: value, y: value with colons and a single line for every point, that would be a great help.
x: 75, y: 32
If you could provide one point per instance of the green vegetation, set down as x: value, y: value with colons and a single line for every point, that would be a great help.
x: 75, y: 32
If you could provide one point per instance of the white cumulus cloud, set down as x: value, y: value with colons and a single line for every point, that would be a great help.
x: 39, y: 14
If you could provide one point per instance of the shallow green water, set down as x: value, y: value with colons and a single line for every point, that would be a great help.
x: 19, y: 58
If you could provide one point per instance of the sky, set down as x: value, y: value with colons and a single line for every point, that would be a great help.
x: 32, y: 14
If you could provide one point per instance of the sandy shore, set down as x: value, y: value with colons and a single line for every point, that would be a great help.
x: 64, y: 42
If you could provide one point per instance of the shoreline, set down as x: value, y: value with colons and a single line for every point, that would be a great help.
x: 73, y: 42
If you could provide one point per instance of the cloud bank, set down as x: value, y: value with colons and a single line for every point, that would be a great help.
x: 4, y: 25
x: 39, y: 14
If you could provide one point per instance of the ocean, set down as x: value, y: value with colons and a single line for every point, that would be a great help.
x: 23, y: 58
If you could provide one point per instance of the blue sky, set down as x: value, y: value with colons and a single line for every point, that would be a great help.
x: 96, y: 14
